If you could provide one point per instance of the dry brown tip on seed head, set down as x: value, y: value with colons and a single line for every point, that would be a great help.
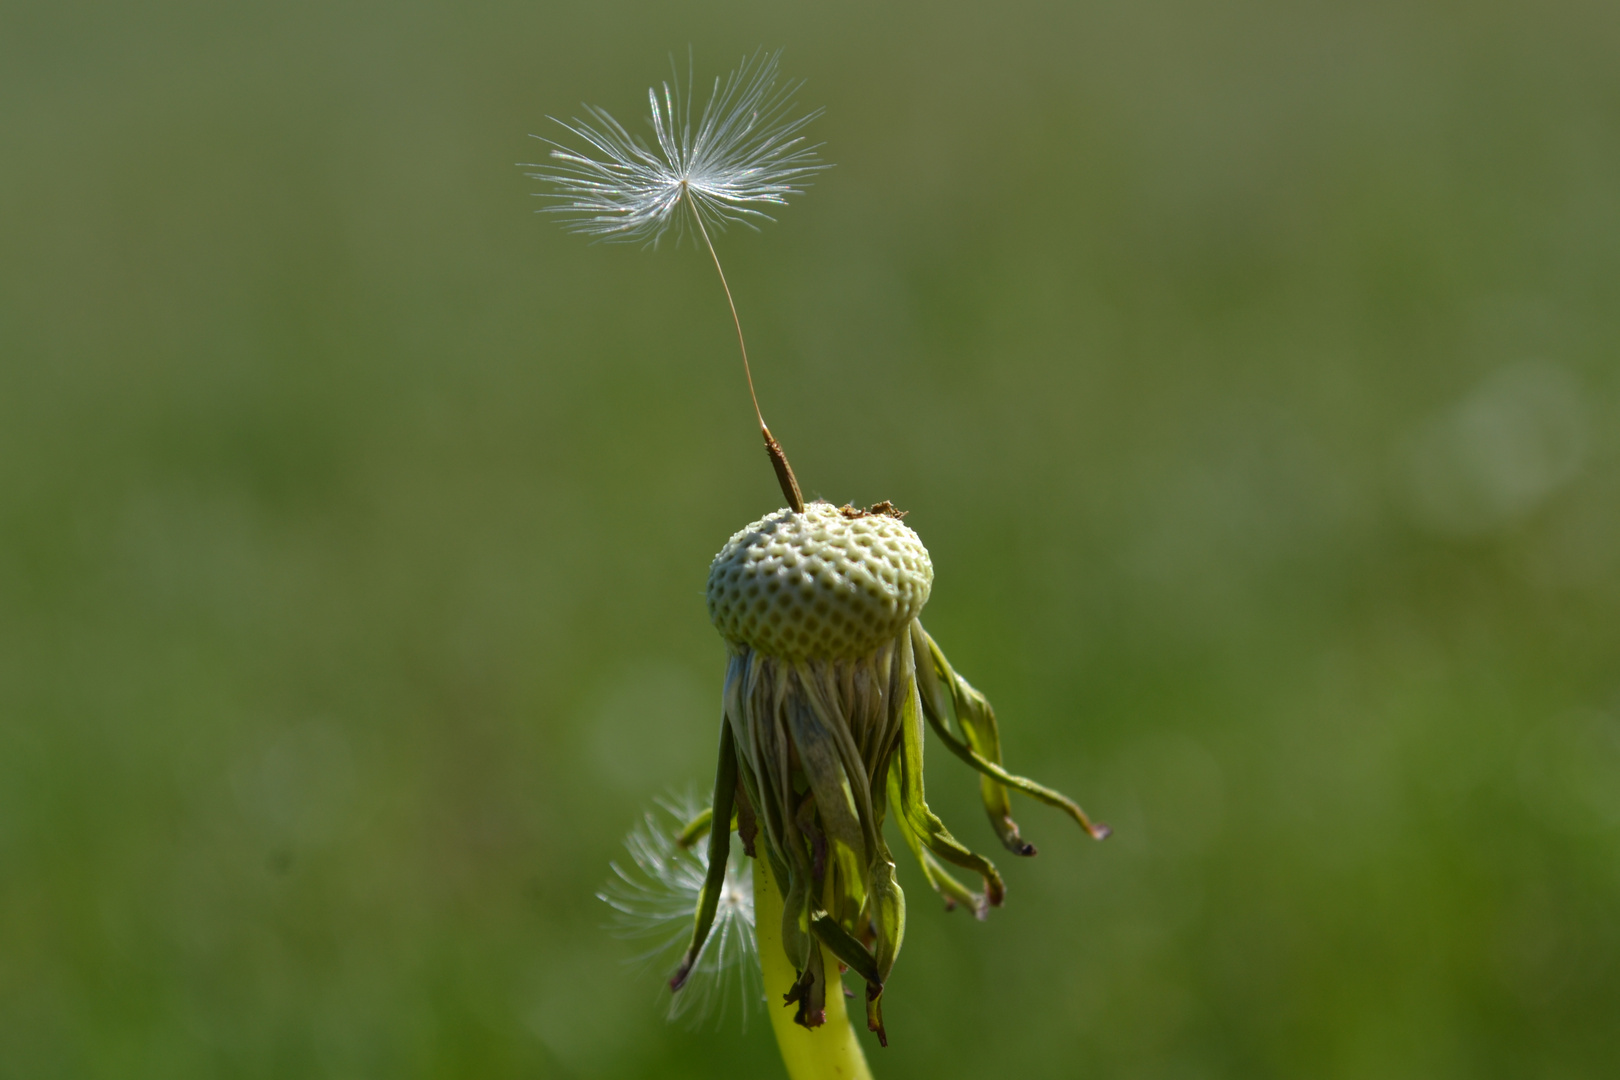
x: 820, y: 584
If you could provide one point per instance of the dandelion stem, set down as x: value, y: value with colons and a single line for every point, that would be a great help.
x: 779, y: 462
x: 829, y: 1052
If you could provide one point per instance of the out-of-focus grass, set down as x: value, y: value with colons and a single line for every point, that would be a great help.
x: 1248, y: 370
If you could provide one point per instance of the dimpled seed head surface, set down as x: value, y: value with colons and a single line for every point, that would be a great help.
x: 818, y: 584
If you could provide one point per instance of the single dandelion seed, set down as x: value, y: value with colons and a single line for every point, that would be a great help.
x: 746, y: 151
x: 653, y: 895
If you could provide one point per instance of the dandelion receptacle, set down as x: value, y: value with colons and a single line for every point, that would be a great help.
x: 830, y: 678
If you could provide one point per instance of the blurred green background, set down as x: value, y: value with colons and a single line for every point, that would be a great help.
x: 1248, y: 368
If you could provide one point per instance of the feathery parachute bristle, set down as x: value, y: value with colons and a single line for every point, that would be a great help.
x: 746, y: 150
x: 653, y: 898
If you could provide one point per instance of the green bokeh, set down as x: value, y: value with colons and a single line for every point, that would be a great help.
x: 1249, y: 369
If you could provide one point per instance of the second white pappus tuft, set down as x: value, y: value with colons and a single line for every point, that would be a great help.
x: 654, y: 895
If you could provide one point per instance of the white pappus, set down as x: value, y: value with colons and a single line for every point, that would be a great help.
x: 746, y: 150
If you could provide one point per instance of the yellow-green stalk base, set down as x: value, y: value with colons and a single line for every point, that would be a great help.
x: 829, y: 1052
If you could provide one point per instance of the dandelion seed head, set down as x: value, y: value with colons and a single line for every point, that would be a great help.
x: 654, y: 894
x: 746, y: 151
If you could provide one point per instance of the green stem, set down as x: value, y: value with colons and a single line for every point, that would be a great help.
x: 831, y: 1051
